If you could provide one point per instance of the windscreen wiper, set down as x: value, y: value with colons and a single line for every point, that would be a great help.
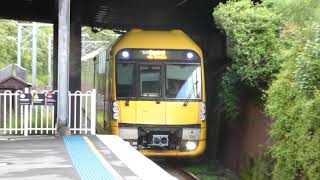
x: 190, y: 93
x: 127, y: 101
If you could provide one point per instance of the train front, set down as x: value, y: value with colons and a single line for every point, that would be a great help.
x: 159, y: 98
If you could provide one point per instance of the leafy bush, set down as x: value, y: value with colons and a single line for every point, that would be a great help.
x: 276, y: 46
x: 259, y: 168
x: 293, y: 102
x: 308, y: 64
x: 252, y: 32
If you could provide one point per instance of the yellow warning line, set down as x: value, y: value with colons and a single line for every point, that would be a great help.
x: 101, y: 158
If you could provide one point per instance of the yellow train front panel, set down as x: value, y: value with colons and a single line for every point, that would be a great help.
x: 150, y: 112
x: 161, y: 113
x: 141, y: 122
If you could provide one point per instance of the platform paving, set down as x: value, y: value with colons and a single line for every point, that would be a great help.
x: 113, y: 160
x: 55, y: 157
x: 35, y: 158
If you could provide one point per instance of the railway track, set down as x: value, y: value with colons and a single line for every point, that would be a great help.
x: 175, y: 166
x: 179, y: 172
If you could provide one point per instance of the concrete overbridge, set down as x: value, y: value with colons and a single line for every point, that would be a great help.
x: 189, y: 15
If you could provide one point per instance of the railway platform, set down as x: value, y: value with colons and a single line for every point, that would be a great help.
x: 74, y: 157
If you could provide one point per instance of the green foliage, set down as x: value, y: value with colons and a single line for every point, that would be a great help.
x: 296, y: 11
x: 230, y: 85
x: 259, y: 168
x: 205, y: 170
x: 8, y: 47
x: 7, y: 43
x: 252, y: 32
x: 293, y: 102
x: 308, y: 64
x: 289, y: 41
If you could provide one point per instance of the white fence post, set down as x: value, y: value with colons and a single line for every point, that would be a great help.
x: 93, y: 112
x: 26, y: 110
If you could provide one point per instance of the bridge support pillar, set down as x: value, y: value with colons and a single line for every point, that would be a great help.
x: 75, y: 58
x: 63, y: 64
x: 75, y: 47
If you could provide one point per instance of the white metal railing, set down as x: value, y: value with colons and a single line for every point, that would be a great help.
x: 11, y: 121
x: 82, y: 112
x: 39, y: 119
x: 17, y: 119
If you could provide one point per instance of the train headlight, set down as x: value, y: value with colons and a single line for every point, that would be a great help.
x: 115, y: 109
x: 203, y: 117
x: 202, y: 111
x: 115, y: 116
x: 115, y: 104
x: 203, y: 106
x: 191, y: 145
x: 125, y: 54
x: 190, y: 55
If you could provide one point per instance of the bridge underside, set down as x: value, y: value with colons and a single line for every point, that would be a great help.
x: 193, y: 16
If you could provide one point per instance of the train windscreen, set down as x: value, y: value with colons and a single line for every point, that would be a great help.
x: 126, y: 80
x: 150, y: 81
x: 183, y: 81
x: 145, y: 81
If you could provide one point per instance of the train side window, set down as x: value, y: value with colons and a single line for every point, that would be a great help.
x: 125, y: 80
x: 150, y: 81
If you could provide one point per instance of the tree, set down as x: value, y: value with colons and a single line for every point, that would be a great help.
x: 7, y: 43
x: 8, y: 47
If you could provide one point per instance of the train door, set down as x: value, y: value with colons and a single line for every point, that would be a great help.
x: 183, y: 92
x: 150, y: 108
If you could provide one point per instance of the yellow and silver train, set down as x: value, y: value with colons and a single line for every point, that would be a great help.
x: 151, y: 92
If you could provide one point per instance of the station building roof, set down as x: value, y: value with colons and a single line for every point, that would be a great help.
x: 13, y: 76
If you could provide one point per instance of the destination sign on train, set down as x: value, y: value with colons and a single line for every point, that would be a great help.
x: 157, y: 54
x: 154, y: 54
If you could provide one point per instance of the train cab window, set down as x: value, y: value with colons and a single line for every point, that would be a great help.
x: 183, y: 81
x: 125, y: 80
x: 150, y: 77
